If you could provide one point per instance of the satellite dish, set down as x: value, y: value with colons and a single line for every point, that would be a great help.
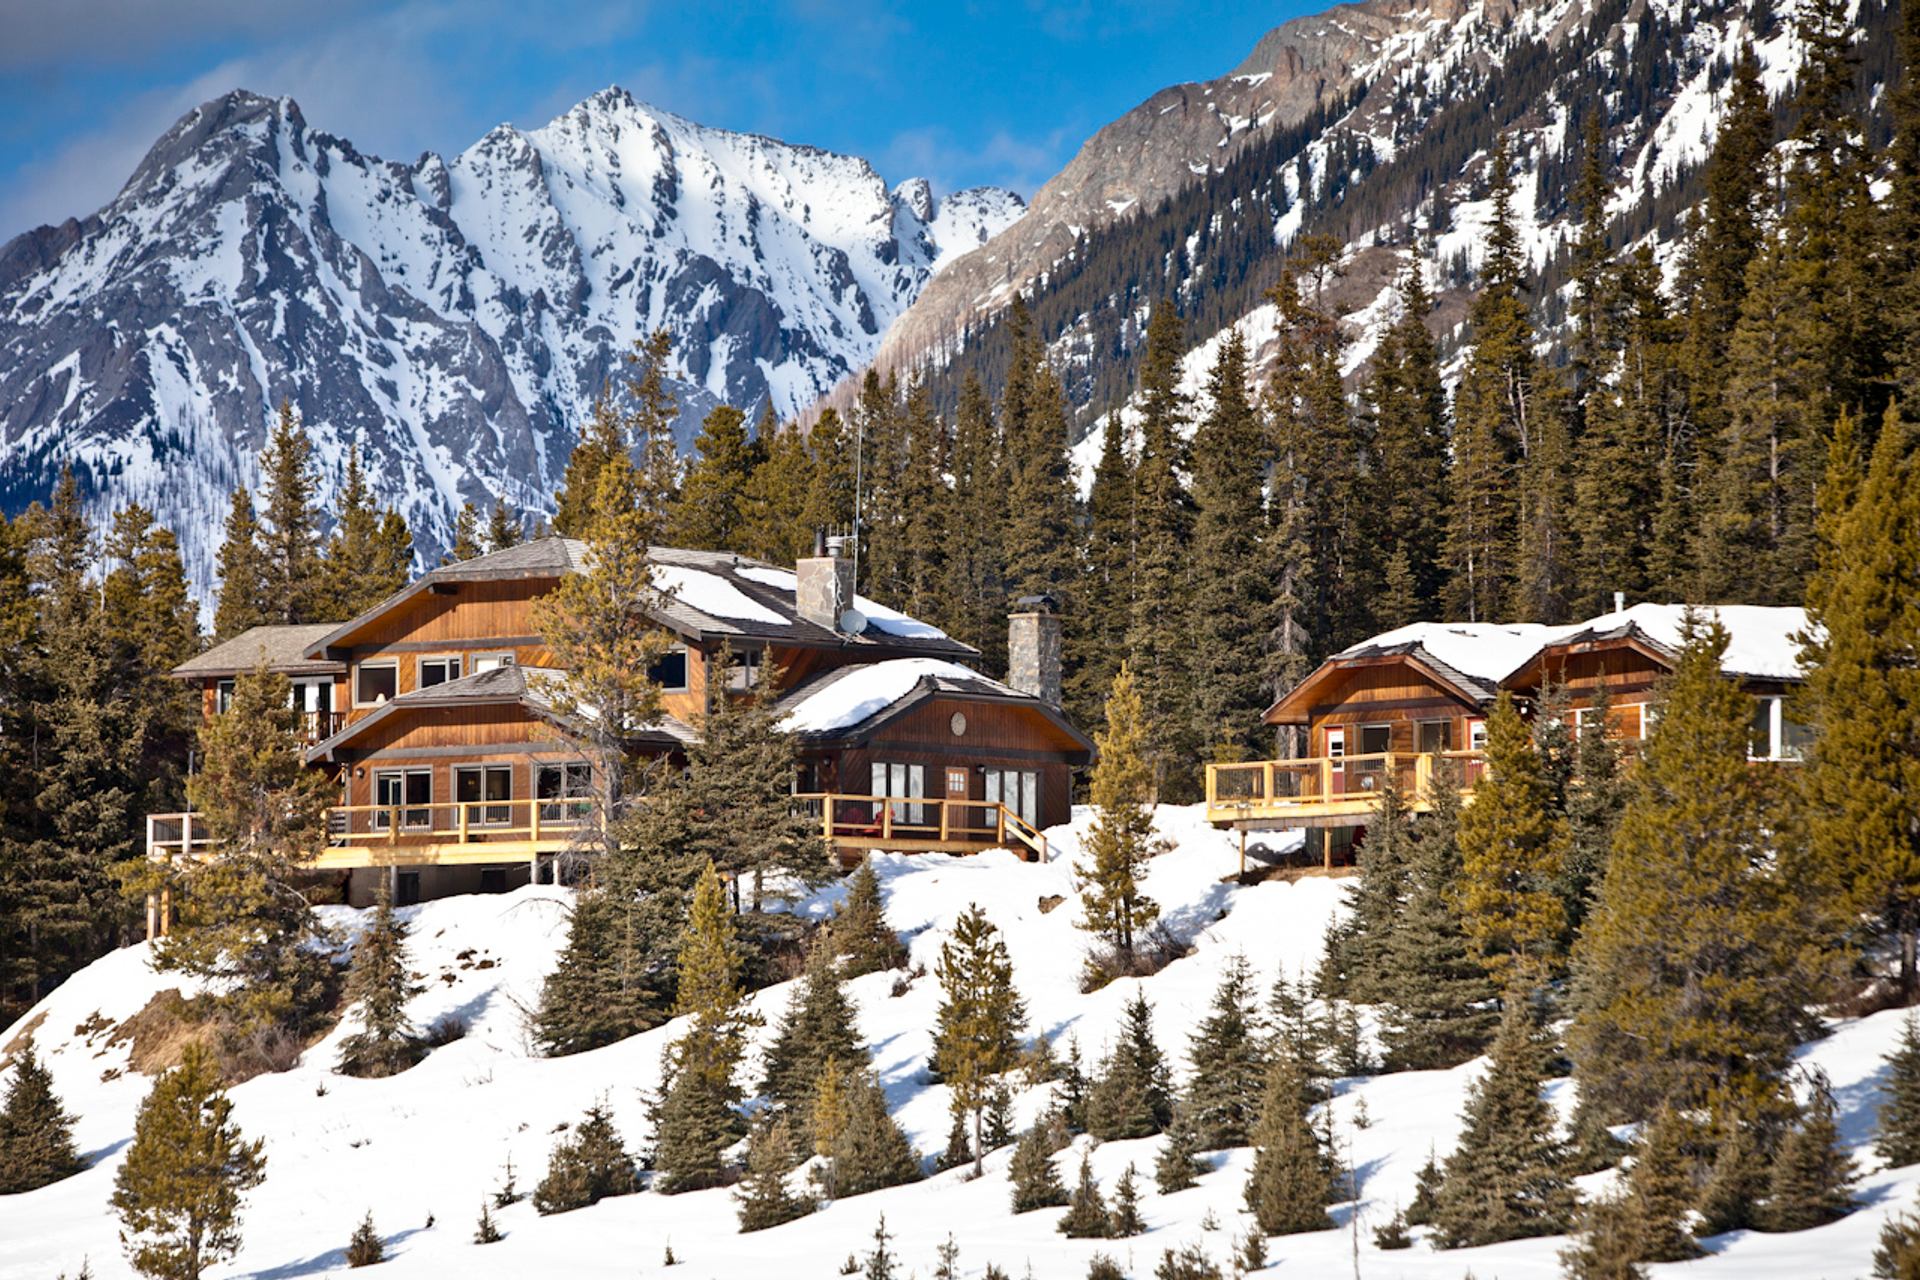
x: 852, y: 621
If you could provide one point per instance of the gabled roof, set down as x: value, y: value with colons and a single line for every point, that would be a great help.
x: 852, y: 702
x: 497, y: 686
x: 1761, y: 639
x: 706, y: 595
x: 1470, y: 659
x: 283, y: 649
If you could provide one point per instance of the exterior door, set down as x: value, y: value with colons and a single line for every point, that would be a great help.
x: 1336, y: 761
x: 959, y: 790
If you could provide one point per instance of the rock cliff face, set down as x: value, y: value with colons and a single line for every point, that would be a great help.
x: 453, y: 317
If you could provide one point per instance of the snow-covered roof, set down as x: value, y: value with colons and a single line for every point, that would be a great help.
x: 1485, y: 652
x: 1760, y: 638
x: 716, y: 594
x: 846, y: 699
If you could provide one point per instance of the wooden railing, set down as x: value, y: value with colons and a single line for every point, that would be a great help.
x: 520, y: 827
x: 913, y: 822
x: 1267, y: 788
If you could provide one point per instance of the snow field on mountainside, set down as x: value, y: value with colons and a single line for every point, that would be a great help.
x: 431, y: 1143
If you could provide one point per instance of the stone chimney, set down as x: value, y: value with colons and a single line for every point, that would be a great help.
x: 1033, y: 648
x: 824, y: 587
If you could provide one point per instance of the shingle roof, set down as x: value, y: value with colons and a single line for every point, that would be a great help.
x: 710, y: 594
x: 283, y: 649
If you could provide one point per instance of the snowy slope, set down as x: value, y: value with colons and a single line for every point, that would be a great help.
x: 455, y: 318
x: 432, y: 1141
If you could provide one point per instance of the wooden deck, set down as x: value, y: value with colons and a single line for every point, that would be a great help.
x: 1326, y: 791
x: 488, y: 833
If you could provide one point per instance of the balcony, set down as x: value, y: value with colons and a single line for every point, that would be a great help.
x: 915, y: 824
x: 1327, y: 791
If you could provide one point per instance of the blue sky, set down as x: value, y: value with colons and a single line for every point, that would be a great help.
x: 1001, y: 91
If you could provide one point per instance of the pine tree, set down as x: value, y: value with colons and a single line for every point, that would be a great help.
x: 1813, y: 1175
x: 765, y: 1200
x: 959, y: 1148
x: 603, y: 443
x: 976, y: 519
x: 1897, y: 1136
x: 880, y: 1261
x: 697, y: 1122
x: 1178, y: 1165
x: 1426, y: 1192
x: 36, y: 1133
x: 242, y: 570
x: 1036, y: 1183
x: 1661, y: 1190
x: 485, y: 1232
x: 466, y: 535
x: 1122, y: 838
x: 1156, y: 638
x: 370, y: 555
x: 1504, y: 1181
x: 1406, y: 487
x: 737, y: 792
x: 586, y: 1167
x: 1086, y: 1214
x: 871, y: 1151
x: 380, y: 986
x: 1508, y: 863
x: 1225, y: 1064
x: 981, y: 1016
x: 1124, y: 1220
x: 1375, y: 900
x: 505, y: 527
x: 1041, y: 536
x: 366, y: 1248
x: 772, y: 508
x: 1607, y: 1246
x: 650, y: 410
x: 613, y: 978
x: 243, y: 923
x: 706, y: 515
x: 829, y: 501
x: 949, y: 1255
x: 1132, y: 1096
x: 1288, y: 1190
x: 1736, y: 1185
x: 180, y: 1190
x: 997, y: 1130
x: 1098, y: 627
x: 1440, y: 1007
x: 1593, y: 807
x: 597, y: 622
x: 290, y: 524
x: 862, y: 940
x: 1228, y: 588
x: 819, y: 1026
x: 1689, y: 978
x: 1897, y: 1255
x: 1858, y: 796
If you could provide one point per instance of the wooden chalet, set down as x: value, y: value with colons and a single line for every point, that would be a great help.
x: 1414, y: 701
x: 432, y: 712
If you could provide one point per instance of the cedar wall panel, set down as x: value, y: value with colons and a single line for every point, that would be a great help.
x: 1397, y: 695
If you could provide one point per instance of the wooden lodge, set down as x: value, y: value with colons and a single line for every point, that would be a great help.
x: 432, y: 713
x: 1413, y: 702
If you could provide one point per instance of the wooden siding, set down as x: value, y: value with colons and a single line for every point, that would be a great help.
x: 1397, y: 695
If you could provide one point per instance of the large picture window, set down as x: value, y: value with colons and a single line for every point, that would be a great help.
x: 670, y: 672
x: 565, y: 791
x: 375, y: 683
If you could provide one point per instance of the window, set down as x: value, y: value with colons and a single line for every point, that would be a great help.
x: 1774, y: 737
x: 311, y: 697
x: 743, y: 669
x: 435, y: 671
x: 375, y: 683
x: 565, y: 791
x: 488, y: 661
x: 902, y: 780
x: 1376, y: 739
x: 402, y: 789
x: 670, y: 672
x: 1476, y: 735
x: 1435, y: 736
x: 223, y: 696
x: 1018, y: 790
x: 480, y: 785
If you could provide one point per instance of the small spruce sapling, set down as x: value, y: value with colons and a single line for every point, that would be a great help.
x: 1898, y: 1139
x: 36, y: 1133
x: 1813, y: 1175
x: 1178, y: 1166
x: 1124, y: 1220
x: 1393, y: 1233
x: 365, y: 1248
x: 485, y: 1232
x: 1036, y: 1184
x: 1086, y: 1214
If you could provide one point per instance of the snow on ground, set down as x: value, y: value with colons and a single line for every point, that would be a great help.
x: 430, y: 1144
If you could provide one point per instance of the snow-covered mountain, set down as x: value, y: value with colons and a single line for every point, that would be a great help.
x: 422, y: 1150
x: 454, y: 317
